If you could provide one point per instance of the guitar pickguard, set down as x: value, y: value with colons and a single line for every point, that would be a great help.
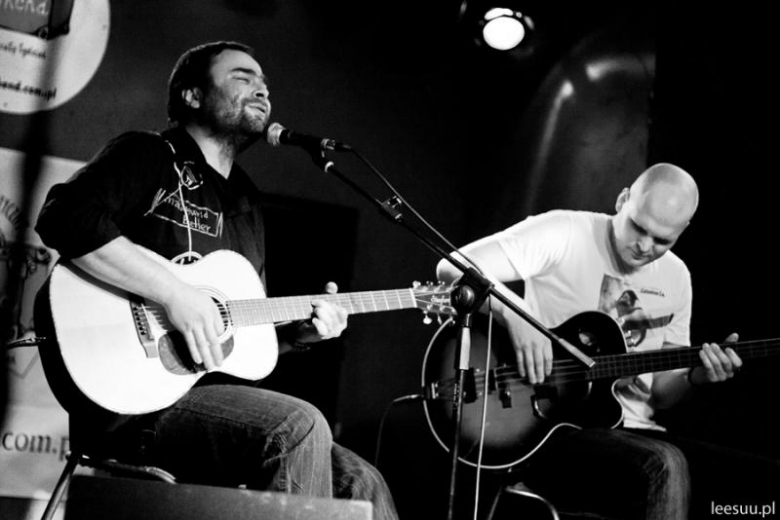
x: 175, y: 356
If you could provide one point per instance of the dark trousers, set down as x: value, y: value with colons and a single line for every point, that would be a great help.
x: 639, y: 474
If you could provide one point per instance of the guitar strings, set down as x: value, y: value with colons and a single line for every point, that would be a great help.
x: 570, y: 371
x: 259, y: 311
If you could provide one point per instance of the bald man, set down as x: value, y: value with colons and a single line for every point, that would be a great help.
x: 621, y: 264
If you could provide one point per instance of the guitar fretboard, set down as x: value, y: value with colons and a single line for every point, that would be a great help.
x: 613, y: 366
x: 287, y: 308
x: 619, y: 365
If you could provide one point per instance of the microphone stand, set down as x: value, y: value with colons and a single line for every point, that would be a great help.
x: 469, y: 293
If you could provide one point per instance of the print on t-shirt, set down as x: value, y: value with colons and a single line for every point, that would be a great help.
x: 621, y: 301
x: 168, y: 207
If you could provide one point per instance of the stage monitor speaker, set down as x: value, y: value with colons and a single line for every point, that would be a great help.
x: 111, y: 498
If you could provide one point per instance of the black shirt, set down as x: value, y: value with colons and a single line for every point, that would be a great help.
x: 138, y: 186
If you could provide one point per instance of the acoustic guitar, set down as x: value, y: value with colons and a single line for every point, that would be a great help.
x: 121, y: 352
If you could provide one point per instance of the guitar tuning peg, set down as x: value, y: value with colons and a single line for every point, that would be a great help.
x: 427, y: 319
x: 415, y: 284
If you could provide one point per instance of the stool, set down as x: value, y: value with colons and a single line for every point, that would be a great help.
x: 530, y: 505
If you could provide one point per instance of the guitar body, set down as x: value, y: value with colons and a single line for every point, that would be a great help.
x: 519, y: 416
x: 118, y: 352
x: 110, y: 348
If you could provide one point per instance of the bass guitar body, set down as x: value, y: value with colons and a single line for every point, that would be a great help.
x: 519, y: 417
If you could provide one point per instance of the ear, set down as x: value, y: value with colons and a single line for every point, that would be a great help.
x: 191, y: 97
x: 622, y: 199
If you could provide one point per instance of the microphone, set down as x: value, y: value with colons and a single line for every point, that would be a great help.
x: 276, y: 134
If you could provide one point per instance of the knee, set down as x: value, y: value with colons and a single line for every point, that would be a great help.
x: 308, y: 424
x: 667, y: 466
x: 370, y: 478
x: 355, y: 478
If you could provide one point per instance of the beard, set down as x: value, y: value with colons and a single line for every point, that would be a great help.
x: 232, y: 120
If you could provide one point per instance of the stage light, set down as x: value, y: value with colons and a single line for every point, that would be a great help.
x: 504, y: 29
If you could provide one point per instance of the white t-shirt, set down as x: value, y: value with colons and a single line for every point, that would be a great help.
x: 564, y: 258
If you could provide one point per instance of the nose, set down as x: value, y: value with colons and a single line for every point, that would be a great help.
x: 644, y: 243
x: 261, y: 91
x: 261, y: 94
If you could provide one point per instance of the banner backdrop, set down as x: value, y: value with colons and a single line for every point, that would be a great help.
x: 34, y: 436
x: 49, y: 51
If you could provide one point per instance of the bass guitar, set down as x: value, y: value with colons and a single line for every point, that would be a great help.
x: 520, y: 417
x: 121, y: 352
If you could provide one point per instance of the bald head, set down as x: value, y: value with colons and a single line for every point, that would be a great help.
x: 667, y: 192
x: 652, y: 214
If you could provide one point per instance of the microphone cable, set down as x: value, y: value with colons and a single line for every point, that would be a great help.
x: 411, y: 398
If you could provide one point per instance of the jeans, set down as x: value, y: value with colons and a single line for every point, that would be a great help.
x: 611, y: 473
x: 238, y: 435
x: 646, y: 475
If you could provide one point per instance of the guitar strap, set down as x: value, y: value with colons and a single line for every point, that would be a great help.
x: 191, y: 181
x: 187, y: 177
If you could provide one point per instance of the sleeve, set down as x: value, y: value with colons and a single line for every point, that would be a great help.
x: 679, y: 330
x: 537, y: 244
x: 115, y: 187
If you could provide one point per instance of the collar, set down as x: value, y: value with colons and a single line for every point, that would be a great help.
x: 187, y: 149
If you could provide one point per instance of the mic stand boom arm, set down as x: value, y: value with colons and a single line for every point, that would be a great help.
x: 389, y: 209
x: 469, y: 293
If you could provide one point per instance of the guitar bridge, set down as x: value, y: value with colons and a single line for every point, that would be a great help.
x: 143, y: 328
x: 469, y: 386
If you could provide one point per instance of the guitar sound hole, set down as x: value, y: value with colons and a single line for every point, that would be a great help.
x: 175, y: 356
x: 225, y: 313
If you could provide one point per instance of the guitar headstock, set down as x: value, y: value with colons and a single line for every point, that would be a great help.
x: 433, y: 299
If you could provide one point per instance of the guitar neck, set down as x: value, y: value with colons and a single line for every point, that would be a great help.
x: 619, y: 365
x: 289, y: 308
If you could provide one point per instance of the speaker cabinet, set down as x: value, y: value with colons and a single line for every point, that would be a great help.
x: 111, y: 498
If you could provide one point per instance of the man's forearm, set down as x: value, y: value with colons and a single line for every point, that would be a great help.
x: 122, y: 264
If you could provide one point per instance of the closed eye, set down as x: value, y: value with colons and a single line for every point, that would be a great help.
x: 642, y: 231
